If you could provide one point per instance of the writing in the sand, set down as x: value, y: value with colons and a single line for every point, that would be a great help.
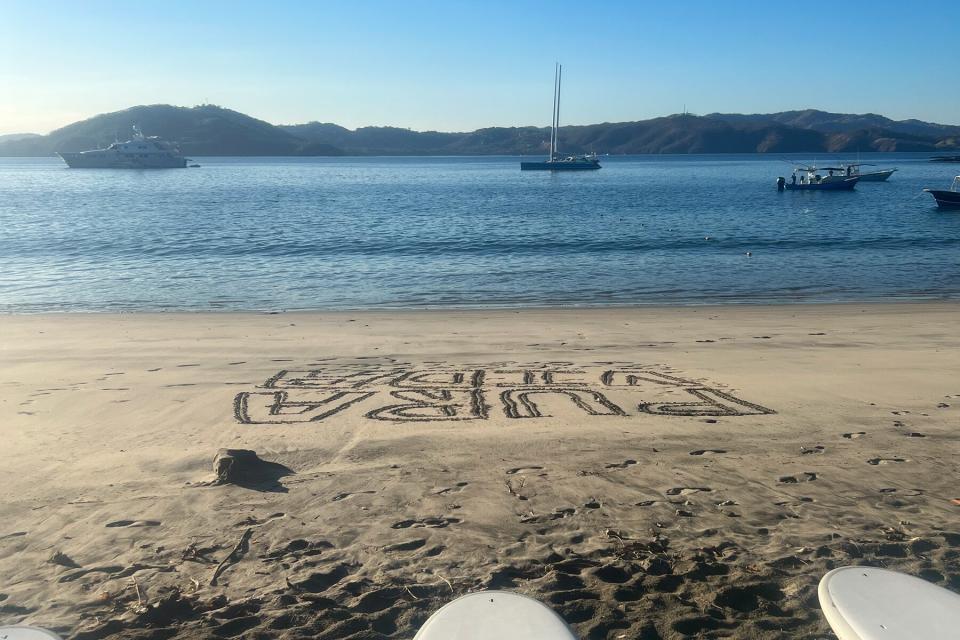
x: 439, y: 393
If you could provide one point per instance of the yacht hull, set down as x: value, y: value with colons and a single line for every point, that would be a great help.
x: 105, y: 160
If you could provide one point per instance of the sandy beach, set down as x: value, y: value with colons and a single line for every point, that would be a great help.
x: 647, y: 472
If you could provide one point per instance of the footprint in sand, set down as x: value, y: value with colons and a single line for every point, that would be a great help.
x: 409, y: 545
x: 154, y: 370
x: 344, y: 496
x: 432, y: 523
x: 621, y: 465
x: 321, y: 581
x: 806, y: 476
x: 854, y: 435
x: 682, y: 491
x: 253, y: 521
x: 558, y: 514
x: 189, y: 365
x: 876, y: 461
x: 912, y: 493
x: 133, y: 523
x: 707, y: 452
x: 612, y: 574
x: 516, y: 470
x: 296, y: 549
x: 15, y: 534
x: 457, y: 488
x: 800, y: 500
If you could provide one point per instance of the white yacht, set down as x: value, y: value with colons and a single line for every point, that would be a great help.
x: 140, y: 152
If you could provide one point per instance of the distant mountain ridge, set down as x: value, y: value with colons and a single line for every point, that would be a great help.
x: 17, y: 136
x: 207, y: 130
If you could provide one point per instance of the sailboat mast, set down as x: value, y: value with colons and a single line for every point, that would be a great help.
x: 553, y: 115
x: 556, y: 128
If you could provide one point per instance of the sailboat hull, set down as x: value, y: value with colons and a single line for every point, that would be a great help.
x: 559, y: 166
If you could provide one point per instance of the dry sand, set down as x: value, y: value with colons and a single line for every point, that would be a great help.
x: 649, y: 473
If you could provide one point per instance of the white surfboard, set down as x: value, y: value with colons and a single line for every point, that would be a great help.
x: 26, y: 633
x: 866, y: 603
x: 495, y: 615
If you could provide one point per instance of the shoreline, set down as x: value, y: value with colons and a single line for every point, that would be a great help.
x: 672, y: 471
x: 571, y: 308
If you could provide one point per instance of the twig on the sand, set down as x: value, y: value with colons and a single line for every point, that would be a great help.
x: 136, y: 586
x: 445, y: 580
x: 411, y: 593
x: 234, y: 555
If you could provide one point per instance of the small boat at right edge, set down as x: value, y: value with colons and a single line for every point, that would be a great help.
x: 947, y: 199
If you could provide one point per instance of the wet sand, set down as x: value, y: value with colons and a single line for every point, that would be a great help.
x: 649, y: 473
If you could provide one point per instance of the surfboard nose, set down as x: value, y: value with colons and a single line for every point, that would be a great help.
x: 495, y: 615
x: 867, y: 603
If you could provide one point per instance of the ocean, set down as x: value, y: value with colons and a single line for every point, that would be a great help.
x: 275, y: 234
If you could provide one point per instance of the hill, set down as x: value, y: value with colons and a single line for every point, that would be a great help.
x: 203, y: 130
x: 211, y: 130
x: 9, y: 137
x: 827, y: 122
x: 789, y: 132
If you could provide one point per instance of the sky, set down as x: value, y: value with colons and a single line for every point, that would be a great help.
x: 459, y: 66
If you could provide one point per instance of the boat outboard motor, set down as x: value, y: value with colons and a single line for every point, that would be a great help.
x: 781, y: 183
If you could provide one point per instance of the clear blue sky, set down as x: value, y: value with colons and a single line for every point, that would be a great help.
x: 458, y: 65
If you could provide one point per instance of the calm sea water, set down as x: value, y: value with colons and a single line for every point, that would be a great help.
x: 268, y: 233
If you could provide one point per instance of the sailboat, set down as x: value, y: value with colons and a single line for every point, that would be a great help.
x: 556, y: 162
